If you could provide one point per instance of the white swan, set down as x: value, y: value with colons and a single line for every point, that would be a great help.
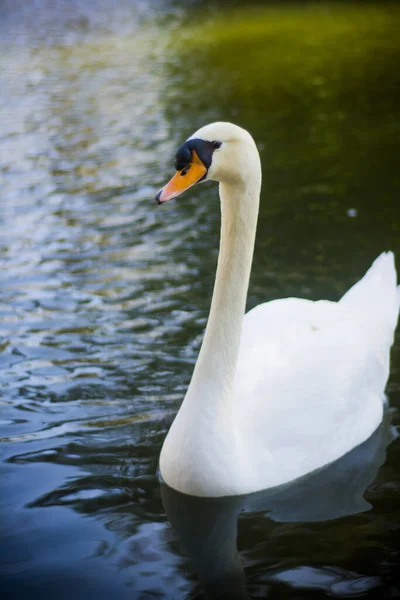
x: 293, y: 384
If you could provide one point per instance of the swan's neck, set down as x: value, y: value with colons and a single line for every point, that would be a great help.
x: 213, y: 377
x: 202, y: 450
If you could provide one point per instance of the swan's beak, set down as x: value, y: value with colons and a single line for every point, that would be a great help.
x: 182, y: 180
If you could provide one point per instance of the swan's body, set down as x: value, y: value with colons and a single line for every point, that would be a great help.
x: 292, y: 385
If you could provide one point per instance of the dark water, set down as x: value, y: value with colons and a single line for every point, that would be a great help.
x: 104, y: 296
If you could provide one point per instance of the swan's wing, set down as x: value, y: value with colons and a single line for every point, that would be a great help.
x: 311, y: 375
x: 376, y: 297
x: 274, y: 332
x: 292, y: 332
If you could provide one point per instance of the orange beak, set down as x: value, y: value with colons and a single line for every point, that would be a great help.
x: 182, y: 180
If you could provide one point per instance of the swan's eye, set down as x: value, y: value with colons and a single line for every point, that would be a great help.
x: 216, y: 144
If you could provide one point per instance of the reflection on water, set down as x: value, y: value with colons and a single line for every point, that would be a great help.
x: 207, y: 527
x: 103, y: 296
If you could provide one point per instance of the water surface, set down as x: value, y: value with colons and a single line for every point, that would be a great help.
x: 104, y: 296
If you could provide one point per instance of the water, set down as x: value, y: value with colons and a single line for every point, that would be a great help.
x: 104, y: 296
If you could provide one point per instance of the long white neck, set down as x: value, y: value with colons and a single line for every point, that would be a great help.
x: 201, y: 452
x: 215, y: 368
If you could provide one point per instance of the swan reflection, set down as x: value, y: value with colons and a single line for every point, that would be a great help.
x: 207, y: 527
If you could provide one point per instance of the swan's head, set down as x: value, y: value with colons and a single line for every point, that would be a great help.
x: 220, y: 152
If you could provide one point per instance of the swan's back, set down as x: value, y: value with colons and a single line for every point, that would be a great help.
x: 311, y: 375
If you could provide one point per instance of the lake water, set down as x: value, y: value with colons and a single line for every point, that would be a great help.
x: 104, y: 296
